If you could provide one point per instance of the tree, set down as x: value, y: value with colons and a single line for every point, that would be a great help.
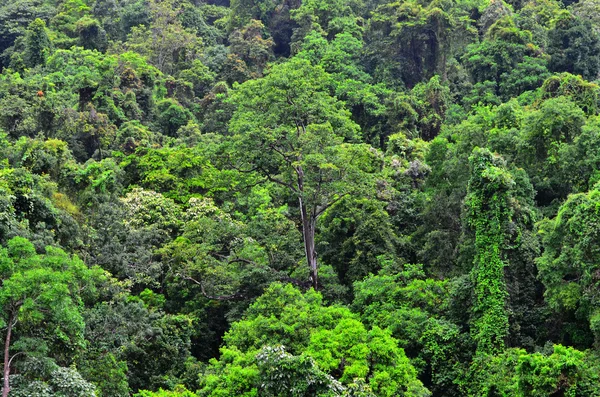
x: 91, y: 34
x: 574, y: 46
x: 60, y: 381
x: 415, y: 40
x: 332, y: 336
x: 37, y: 44
x: 488, y: 206
x: 431, y: 102
x: 416, y: 311
x: 550, y: 131
x: 588, y: 10
x: 555, y: 371
x: 172, y: 116
x: 41, y: 291
x: 569, y: 266
x: 283, y: 374
x: 353, y: 236
x: 290, y: 130
x: 178, y: 172
x: 133, y: 344
x: 249, y: 52
x: 274, y: 14
x: 15, y: 17
x: 497, y: 9
x: 327, y: 17
x: 244, y: 10
x: 215, y: 254
x: 505, y: 60
x: 166, y: 42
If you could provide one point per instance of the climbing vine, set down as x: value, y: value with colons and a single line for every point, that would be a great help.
x: 488, y: 212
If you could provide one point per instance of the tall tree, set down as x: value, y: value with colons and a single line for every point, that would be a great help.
x: 289, y: 129
x: 41, y: 295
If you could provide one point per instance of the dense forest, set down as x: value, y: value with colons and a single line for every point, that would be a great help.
x: 293, y: 198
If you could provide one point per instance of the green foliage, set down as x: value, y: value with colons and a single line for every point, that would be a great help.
x: 91, y: 34
x: 353, y: 236
x: 574, y: 46
x: 245, y: 168
x: 180, y: 391
x: 567, y: 267
x: 330, y: 17
x: 107, y: 373
x: 549, y: 132
x: 249, y: 52
x: 562, y: 370
x: 15, y: 17
x: 62, y: 382
x: 285, y: 375
x: 506, y: 60
x: 139, y: 346
x: 167, y: 42
x: 332, y: 336
x: 401, y: 300
x: 178, y: 172
x: 488, y: 212
x: 172, y: 116
x: 215, y: 253
x: 422, y: 37
x: 585, y: 94
x: 431, y: 103
x: 290, y: 130
x: 44, y: 289
x: 37, y: 44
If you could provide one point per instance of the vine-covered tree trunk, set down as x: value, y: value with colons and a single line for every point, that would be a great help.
x: 488, y: 213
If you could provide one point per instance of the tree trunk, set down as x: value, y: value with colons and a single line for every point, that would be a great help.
x: 308, y: 234
x: 309, y: 222
x: 311, y: 254
x: 6, y: 386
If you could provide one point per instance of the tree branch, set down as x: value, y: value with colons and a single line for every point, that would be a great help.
x: 14, y: 355
x: 322, y: 209
x: 236, y: 296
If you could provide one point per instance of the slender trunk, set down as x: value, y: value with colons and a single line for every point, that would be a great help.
x: 6, y: 387
x: 308, y: 231
x: 308, y: 234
